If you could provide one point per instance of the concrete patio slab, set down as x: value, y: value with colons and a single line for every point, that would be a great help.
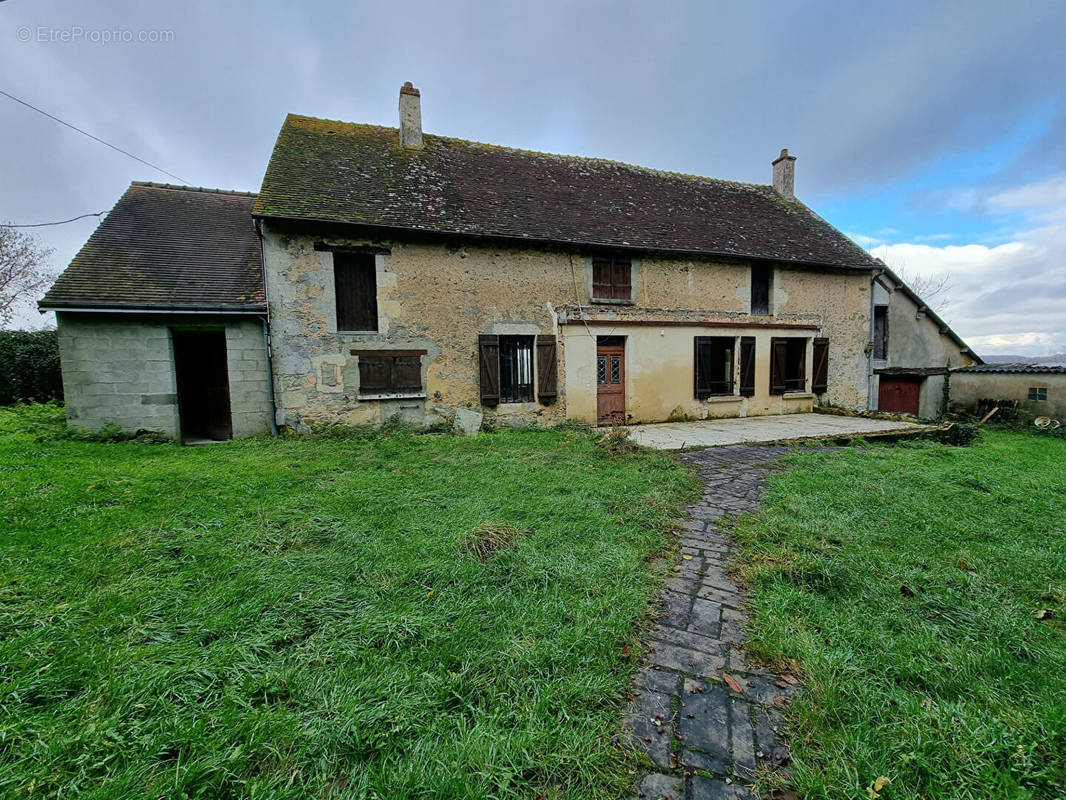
x: 755, y: 430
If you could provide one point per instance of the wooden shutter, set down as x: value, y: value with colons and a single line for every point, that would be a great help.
x: 621, y: 272
x: 778, y: 365
x: 747, y: 366
x: 407, y: 374
x: 547, y: 370
x: 355, y: 286
x: 488, y: 346
x: 374, y: 374
x: 611, y: 279
x: 702, y: 367
x: 820, y: 373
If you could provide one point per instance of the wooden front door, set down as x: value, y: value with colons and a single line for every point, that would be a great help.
x: 203, y: 385
x: 898, y: 394
x: 611, y: 381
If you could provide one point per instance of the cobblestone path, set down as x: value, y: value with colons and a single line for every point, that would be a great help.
x: 705, y: 738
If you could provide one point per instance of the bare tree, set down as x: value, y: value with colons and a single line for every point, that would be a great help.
x: 935, y: 290
x: 23, y: 269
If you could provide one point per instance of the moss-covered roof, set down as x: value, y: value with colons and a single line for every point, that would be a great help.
x: 168, y: 247
x: 349, y: 173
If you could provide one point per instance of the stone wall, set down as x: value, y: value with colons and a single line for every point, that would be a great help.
x: 438, y: 297
x: 120, y: 368
x: 969, y: 387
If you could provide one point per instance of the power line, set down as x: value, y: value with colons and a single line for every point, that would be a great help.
x: 61, y: 222
x: 94, y: 138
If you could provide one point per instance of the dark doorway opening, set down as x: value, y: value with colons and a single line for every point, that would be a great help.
x: 203, y: 386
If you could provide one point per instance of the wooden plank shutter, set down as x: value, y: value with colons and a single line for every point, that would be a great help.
x: 374, y: 374
x: 547, y: 369
x: 407, y: 374
x: 702, y: 367
x: 820, y: 373
x: 601, y: 277
x: 355, y: 286
x: 488, y: 346
x: 778, y: 364
x: 622, y: 288
x: 747, y: 366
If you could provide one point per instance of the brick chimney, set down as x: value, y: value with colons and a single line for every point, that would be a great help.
x: 410, y: 116
x: 785, y: 175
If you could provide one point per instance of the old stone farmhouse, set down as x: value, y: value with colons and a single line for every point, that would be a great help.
x: 385, y: 271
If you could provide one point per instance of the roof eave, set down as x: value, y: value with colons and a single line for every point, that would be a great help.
x: 529, y: 240
x: 256, y: 309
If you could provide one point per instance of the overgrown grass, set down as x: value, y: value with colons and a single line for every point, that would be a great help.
x: 910, y: 581
x: 299, y: 618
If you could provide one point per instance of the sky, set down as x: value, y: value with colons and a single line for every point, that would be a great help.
x: 932, y: 133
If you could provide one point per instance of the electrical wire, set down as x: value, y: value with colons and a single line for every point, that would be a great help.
x: 94, y: 138
x: 45, y: 224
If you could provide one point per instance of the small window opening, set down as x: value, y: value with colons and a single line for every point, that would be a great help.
x: 760, y: 289
x: 516, y: 369
x: 1038, y: 394
x: 880, y: 332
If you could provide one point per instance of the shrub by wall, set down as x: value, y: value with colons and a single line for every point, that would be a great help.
x: 29, y: 367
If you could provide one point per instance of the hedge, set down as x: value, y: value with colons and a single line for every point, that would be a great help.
x: 29, y: 367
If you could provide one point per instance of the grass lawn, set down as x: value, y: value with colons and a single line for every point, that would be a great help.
x: 298, y: 618
x: 907, y: 581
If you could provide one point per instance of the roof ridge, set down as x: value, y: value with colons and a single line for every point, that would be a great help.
x: 569, y: 157
x: 202, y: 189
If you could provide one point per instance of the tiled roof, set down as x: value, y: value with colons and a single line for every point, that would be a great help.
x: 1021, y: 367
x: 342, y: 172
x: 168, y: 247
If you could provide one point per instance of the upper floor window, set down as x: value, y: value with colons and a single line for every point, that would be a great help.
x: 760, y: 289
x: 355, y: 287
x: 880, y: 332
x: 611, y: 279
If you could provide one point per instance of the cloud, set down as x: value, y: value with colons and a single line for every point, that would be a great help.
x: 1015, y: 343
x: 867, y: 242
x: 1049, y: 192
x: 1006, y: 298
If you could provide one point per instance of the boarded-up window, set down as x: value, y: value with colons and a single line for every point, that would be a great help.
x: 714, y: 365
x: 747, y: 366
x: 390, y: 371
x: 880, y: 332
x: 788, y: 358
x: 611, y: 279
x: 355, y: 285
x: 820, y: 369
x: 760, y: 289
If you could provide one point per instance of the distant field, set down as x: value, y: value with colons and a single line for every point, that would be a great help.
x: 301, y: 618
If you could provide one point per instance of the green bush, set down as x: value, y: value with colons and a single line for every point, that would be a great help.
x: 29, y: 367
